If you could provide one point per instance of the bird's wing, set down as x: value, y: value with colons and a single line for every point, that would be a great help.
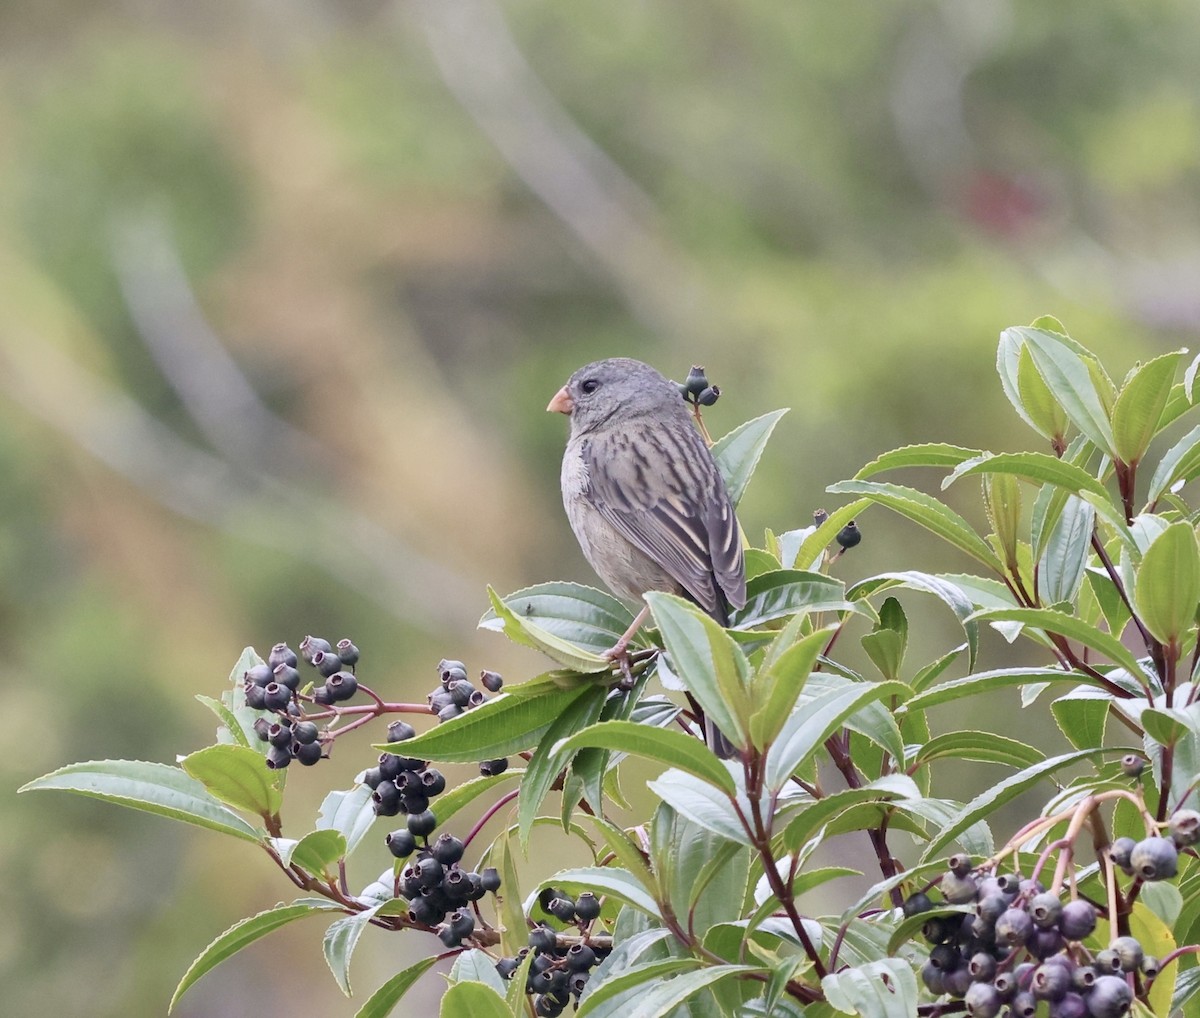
x: 661, y: 489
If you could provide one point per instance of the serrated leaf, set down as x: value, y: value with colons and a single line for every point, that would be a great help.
x: 348, y: 813
x: 1072, y: 382
x: 1064, y: 561
x: 551, y: 756
x: 808, y: 728
x: 700, y: 802
x: 474, y: 999
x: 1168, y: 583
x: 886, y: 988
x: 506, y: 724
x: 784, y: 592
x: 661, y: 997
x: 382, y: 1002
x: 474, y: 966
x: 316, y: 852
x: 812, y: 818
x: 1042, y: 410
x: 709, y: 662
x: 928, y: 512
x: 1003, y: 791
x: 340, y: 941
x: 675, y: 749
x: 1140, y: 405
x: 778, y: 684
x: 527, y: 633
x: 611, y: 996
x: 1071, y: 627
x: 582, y: 616
x: 985, y: 747
x: 986, y: 682
x: 930, y: 454
x: 230, y: 731
x: 152, y: 787
x: 1081, y: 716
x: 1179, y: 463
x: 737, y: 453
x: 947, y: 588
x: 239, y: 776
x: 244, y: 933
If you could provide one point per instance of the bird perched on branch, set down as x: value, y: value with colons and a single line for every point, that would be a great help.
x: 643, y: 493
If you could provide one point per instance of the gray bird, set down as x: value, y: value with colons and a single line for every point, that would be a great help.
x: 643, y: 493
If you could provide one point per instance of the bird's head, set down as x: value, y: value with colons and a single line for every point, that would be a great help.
x: 621, y: 385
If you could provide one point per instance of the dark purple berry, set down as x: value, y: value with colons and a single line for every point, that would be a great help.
x: 1083, y: 978
x: 439, y: 700
x: 449, y: 712
x: 1078, y: 919
x: 563, y: 908
x: 1045, y: 943
x: 448, y: 670
x: 491, y: 681
x: 490, y: 768
x: 958, y: 890
x: 385, y: 800
x: 347, y: 652
x: 308, y: 753
x: 580, y: 958
x: 1132, y: 765
x: 709, y: 396
x: 1129, y: 950
x: 310, y: 646
x: 1154, y: 858
x: 543, y: 939
x: 587, y: 905
x: 433, y: 783
x: 917, y: 903
x: 282, y: 654
x: 982, y: 1001
x: 390, y: 766
x: 1050, y: 982
x: 278, y: 757
x: 991, y: 908
x: 400, y: 731
x: 849, y: 536
x: 507, y: 967
x: 423, y: 823
x: 1120, y: 851
x: 1044, y: 909
x: 933, y: 978
x: 945, y: 957
x: 577, y: 982
x: 372, y: 777
x: 305, y: 732
x: 1023, y: 1005
x: 401, y: 843
x: 1110, y: 997
x: 1151, y: 966
x: 1014, y: 928
x: 457, y: 884
x: 262, y: 727
x: 321, y: 695
x: 414, y: 802
x: 462, y: 922
x: 326, y: 662
x: 275, y: 696
x: 255, y: 698
x: 1107, y: 962
x: 258, y: 675
x: 423, y: 910
x: 341, y: 686
x: 696, y: 382
x: 447, y: 849
x: 287, y: 675
x: 982, y: 966
x: 1070, y: 1005
x: 460, y: 691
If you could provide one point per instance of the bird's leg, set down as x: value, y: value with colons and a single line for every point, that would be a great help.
x: 619, y: 651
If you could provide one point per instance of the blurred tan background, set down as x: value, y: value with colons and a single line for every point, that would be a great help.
x: 285, y: 287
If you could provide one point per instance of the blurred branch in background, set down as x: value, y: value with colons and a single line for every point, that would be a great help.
x: 613, y: 218
x: 238, y: 489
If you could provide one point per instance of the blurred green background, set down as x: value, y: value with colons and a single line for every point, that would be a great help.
x: 285, y: 287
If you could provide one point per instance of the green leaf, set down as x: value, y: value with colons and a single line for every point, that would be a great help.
x: 1179, y: 463
x: 778, y: 684
x: 929, y: 513
x: 808, y: 728
x: 661, y: 996
x: 812, y: 818
x: 153, y: 787
x: 381, y: 1003
x: 474, y: 966
x: 350, y: 814
x: 526, y: 633
x: 1068, y: 546
x: 506, y: 724
x: 614, y: 996
x: 886, y: 988
x: 947, y: 588
x: 707, y: 660
x: 1003, y: 791
x: 986, y: 682
x: 1039, y: 468
x: 1043, y: 410
x: 582, y: 616
x: 551, y: 757
x: 340, y: 941
x: 474, y: 1000
x: 985, y: 747
x: 785, y: 592
x: 315, y: 853
x: 1071, y: 627
x: 239, y: 776
x: 1081, y: 716
x: 813, y: 546
x: 621, y: 884
x: 449, y: 803
x: 930, y: 454
x: 230, y: 731
x: 244, y: 933
x: 1140, y: 405
x: 513, y: 932
x: 675, y: 749
x: 738, y: 453
x: 1168, y: 583
x: 1072, y: 383
x: 700, y: 802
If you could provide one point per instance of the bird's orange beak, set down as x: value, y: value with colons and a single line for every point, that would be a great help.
x: 562, y: 402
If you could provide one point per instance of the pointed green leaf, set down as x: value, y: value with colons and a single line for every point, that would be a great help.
x: 1072, y: 382
x: 808, y: 728
x: 700, y: 802
x: 675, y: 749
x: 527, y: 633
x: 986, y: 747
x: 1042, y: 409
x: 778, y: 685
x: 738, y: 453
x: 986, y: 682
x: 612, y: 997
x: 153, y: 787
x: 340, y: 941
x: 315, y: 853
x: 1168, y: 583
x: 383, y: 1001
x: 929, y: 513
x: 582, y: 616
x: 982, y: 806
x: 1179, y: 463
x: 707, y: 660
x: 230, y: 731
x: 932, y: 454
x: 1082, y: 715
x: 784, y: 592
x: 474, y: 966
x: 349, y: 813
x: 1140, y: 406
x: 506, y: 724
x: 475, y: 1000
x: 244, y: 933
x: 886, y: 988
x: 814, y: 543
x: 660, y: 997
x: 1068, y: 547
x: 239, y: 776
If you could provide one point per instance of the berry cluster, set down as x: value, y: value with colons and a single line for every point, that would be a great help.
x: 273, y: 686
x: 1021, y: 945
x: 561, y: 965
x: 457, y: 694
x: 438, y: 889
x: 695, y: 389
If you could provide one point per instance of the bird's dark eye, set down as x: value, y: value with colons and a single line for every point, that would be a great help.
x: 589, y: 386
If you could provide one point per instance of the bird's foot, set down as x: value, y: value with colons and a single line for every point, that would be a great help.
x: 618, y: 654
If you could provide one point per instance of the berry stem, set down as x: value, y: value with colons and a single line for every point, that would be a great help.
x: 491, y: 811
